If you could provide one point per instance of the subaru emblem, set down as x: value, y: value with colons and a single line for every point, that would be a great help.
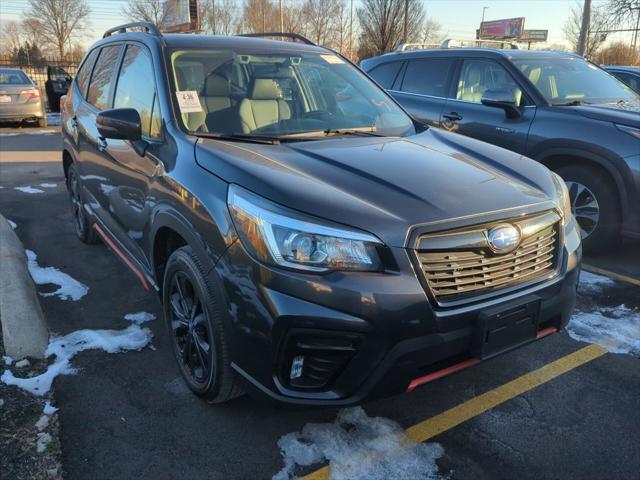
x: 503, y: 238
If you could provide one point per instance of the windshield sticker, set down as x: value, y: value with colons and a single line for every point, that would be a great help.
x: 332, y: 59
x: 189, y: 101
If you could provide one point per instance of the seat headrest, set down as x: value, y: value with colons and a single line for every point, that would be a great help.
x: 265, y: 89
x: 217, y: 86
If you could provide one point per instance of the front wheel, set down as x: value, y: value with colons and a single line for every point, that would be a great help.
x: 193, y: 311
x: 82, y: 226
x: 594, y: 205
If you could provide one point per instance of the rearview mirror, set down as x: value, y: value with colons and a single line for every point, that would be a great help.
x: 119, y: 123
x: 504, y: 99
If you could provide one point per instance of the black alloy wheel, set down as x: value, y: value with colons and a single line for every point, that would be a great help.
x: 80, y: 221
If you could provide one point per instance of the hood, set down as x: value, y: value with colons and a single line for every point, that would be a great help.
x: 382, y: 185
x: 628, y: 114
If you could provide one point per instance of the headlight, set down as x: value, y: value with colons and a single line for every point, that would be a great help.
x: 279, y: 236
x: 635, y: 132
x: 564, y: 199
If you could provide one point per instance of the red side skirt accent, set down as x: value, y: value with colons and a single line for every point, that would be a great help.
x: 122, y: 255
x: 416, y: 382
x: 546, y: 331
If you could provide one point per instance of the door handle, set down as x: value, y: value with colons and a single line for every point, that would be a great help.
x: 453, y: 116
x: 102, y: 144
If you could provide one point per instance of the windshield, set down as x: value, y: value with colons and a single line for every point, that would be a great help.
x: 573, y: 80
x: 280, y: 94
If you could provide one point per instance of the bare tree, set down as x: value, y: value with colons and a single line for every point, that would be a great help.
x: 619, y: 53
x: 382, y: 24
x: 146, y: 11
x: 260, y: 16
x: 220, y: 17
x: 57, y: 21
x: 627, y: 14
x: 10, y: 38
x: 599, y: 22
x: 321, y: 20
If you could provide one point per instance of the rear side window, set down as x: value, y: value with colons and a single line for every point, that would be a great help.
x: 135, y: 87
x: 428, y: 76
x: 102, y: 77
x: 82, y: 77
x: 478, y: 76
x: 386, y: 74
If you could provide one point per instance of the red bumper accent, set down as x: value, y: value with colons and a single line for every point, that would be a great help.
x: 122, y: 255
x: 416, y: 382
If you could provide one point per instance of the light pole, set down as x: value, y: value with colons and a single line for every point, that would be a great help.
x: 484, y: 9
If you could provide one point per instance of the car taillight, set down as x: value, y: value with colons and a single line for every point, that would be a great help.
x: 31, y: 94
x: 63, y: 101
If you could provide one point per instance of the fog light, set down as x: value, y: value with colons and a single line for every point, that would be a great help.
x: 296, y: 367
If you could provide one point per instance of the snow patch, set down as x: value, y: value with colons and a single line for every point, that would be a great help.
x: 53, y: 119
x: 29, y: 189
x: 44, y: 439
x: 13, y: 225
x: 7, y: 360
x: 22, y: 363
x: 591, y: 283
x: 65, y: 348
x: 42, y: 423
x: 359, y: 447
x: 69, y: 287
x: 49, y: 409
x: 48, y: 185
x: 615, y: 328
x: 140, y: 317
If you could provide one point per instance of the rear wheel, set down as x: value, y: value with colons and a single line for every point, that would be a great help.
x: 83, y: 228
x: 194, y: 315
x: 594, y: 204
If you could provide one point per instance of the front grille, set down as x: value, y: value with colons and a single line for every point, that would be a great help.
x: 460, y: 263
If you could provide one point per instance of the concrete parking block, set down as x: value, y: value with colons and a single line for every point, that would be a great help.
x: 23, y: 325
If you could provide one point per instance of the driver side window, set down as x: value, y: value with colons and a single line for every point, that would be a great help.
x: 478, y: 76
x: 133, y: 89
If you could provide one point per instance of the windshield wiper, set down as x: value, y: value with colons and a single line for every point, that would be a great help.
x: 330, y: 132
x: 570, y: 103
x: 239, y: 137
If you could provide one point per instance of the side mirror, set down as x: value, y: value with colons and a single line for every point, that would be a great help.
x: 119, y: 123
x: 503, y: 99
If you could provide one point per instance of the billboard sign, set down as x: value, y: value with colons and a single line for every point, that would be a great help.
x: 180, y: 16
x: 534, y: 35
x: 502, y: 29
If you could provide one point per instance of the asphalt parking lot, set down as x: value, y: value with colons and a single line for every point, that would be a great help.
x: 557, y: 408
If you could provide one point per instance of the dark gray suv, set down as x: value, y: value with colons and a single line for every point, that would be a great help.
x: 553, y: 107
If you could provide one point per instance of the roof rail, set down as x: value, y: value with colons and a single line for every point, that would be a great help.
x: 148, y: 26
x: 407, y: 46
x: 296, y: 37
x: 471, y: 43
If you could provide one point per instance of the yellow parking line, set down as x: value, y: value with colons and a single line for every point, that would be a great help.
x: 614, y: 275
x: 453, y: 417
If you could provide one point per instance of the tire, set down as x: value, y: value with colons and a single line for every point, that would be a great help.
x: 85, y: 233
x: 198, y: 334
x: 42, y: 122
x: 599, y: 221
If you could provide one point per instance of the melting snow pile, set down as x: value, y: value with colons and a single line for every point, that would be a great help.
x: 48, y: 185
x: 359, y: 447
x: 29, y: 190
x: 140, y: 317
x: 12, y: 224
x: 591, y: 283
x: 65, y: 348
x: 69, y: 287
x: 617, y: 329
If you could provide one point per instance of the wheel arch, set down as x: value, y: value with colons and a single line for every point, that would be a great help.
x: 558, y: 157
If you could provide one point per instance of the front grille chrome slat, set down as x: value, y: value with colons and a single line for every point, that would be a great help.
x: 455, y: 273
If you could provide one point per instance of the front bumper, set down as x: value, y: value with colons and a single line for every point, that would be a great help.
x: 397, y: 334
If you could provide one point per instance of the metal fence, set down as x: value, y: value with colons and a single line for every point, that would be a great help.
x: 37, y: 69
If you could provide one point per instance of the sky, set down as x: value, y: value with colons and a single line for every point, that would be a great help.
x: 458, y: 18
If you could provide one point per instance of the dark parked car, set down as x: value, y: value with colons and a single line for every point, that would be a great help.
x: 300, y: 252
x: 553, y: 107
x: 20, y: 98
x: 630, y: 76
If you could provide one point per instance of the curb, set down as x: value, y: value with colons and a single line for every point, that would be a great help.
x: 24, y: 329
